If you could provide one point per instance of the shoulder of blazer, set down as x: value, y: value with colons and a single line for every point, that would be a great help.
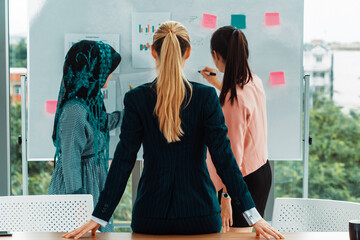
x: 139, y: 91
x: 203, y: 90
x: 204, y: 96
x: 199, y: 85
x: 200, y: 90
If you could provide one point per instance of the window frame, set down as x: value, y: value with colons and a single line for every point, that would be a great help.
x: 4, y: 100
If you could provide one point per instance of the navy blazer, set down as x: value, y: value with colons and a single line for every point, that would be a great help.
x: 175, y: 182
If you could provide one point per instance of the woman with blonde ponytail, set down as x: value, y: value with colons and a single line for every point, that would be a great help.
x: 171, y: 43
x: 175, y: 120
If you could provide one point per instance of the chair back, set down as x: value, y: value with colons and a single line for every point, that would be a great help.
x: 313, y: 215
x: 44, y: 213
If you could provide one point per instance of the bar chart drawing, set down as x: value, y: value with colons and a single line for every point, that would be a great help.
x: 144, y: 25
x: 147, y: 28
x: 145, y: 47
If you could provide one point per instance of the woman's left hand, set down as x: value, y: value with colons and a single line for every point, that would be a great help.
x: 81, y: 231
x: 263, y: 228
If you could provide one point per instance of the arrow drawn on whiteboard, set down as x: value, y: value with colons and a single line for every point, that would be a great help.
x: 197, y: 42
x: 192, y: 18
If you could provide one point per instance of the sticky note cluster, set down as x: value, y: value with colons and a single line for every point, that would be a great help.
x: 239, y: 20
x: 51, y: 107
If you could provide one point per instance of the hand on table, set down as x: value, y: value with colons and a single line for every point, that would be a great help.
x: 213, y: 80
x: 81, y: 231
x: 226, y: 214
x: 263, y: 228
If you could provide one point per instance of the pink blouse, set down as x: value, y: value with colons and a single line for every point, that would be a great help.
x: 247, y: 129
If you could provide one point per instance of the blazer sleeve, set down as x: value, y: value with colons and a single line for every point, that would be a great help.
x: 72, y: 136
x: 222, y: 156
x: 114, y: 119
x: 123, y: 162
x: 212, y: 172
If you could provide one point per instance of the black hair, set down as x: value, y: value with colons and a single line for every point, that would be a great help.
x: 232, y: 46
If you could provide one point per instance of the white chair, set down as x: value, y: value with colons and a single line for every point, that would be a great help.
x: 44, y: 213
x: 313, y: 215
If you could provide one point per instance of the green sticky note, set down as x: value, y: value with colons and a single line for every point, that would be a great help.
x: 238, y: 21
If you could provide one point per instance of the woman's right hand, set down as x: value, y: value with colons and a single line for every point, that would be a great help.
x: 81, y: 231
x: 263, y: 228
x: 213, y: 80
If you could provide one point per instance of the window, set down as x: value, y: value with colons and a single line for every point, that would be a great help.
x: 334, y: 158
x: 319, y: 74
x: 288, y: 176
x: 17, y: 89
x: 318, y: 59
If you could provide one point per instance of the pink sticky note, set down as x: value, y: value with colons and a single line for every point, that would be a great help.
x: 277, y: 78
x: 51, y: 107
x: 272, y: 19
x: 209, y: 21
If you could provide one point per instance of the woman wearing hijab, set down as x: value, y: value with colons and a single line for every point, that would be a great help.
x: 81, y: 127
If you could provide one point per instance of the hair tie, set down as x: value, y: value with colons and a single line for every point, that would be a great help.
x: 170, y: 30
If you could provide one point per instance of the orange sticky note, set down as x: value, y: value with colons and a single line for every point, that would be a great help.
x: 277, y: 78
x: 51, y: 107
x: 209, y: 21
x: 272, y: 19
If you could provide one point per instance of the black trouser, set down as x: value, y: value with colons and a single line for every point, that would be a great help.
x: 259, y: 184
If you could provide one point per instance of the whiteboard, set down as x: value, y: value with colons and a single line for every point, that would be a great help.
x: 272, y: 49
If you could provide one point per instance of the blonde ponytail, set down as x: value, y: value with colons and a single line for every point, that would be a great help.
x: 171, y: 41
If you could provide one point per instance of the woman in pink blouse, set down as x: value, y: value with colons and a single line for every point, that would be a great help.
x: 243, y: 103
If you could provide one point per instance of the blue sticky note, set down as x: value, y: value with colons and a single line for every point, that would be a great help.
x: 238, y: 21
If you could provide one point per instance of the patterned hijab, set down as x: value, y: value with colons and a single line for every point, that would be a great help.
x: 87, y: 66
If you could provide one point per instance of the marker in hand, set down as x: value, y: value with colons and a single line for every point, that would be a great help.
x: 211, y: 76
x: 209, y: 73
